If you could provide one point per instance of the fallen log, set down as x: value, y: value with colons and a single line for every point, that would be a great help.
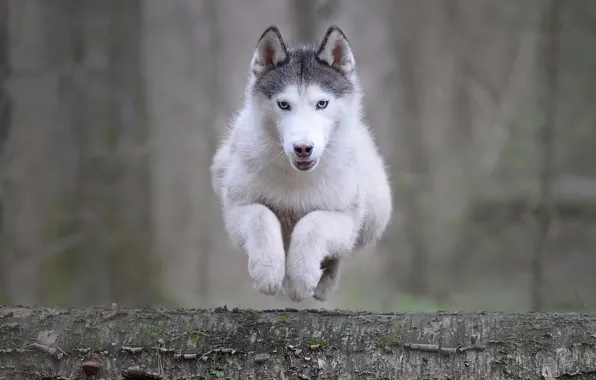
x: 117, y: 343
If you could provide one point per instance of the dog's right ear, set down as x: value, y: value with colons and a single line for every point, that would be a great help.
x: 271, y: 51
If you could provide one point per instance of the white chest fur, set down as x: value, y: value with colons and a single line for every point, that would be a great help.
x: 290, y: 194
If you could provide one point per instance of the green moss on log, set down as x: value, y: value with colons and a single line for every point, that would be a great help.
x: 309, y: 344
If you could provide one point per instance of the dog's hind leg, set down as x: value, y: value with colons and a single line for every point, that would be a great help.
x: 329, y: 279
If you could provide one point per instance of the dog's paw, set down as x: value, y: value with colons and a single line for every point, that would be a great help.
x: 267, y: 274
x: 301, y: 281
x: 329, y: 280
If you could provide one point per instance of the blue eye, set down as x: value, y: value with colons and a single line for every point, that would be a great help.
x: 321, y: 104
x: 283, y: 105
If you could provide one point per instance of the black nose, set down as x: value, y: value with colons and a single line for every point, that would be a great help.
x: 303, y: 149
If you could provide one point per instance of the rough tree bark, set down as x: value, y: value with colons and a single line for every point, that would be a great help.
x: 290, y: 344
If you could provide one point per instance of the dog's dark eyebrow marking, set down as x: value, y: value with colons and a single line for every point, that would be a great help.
x: 303, y: 67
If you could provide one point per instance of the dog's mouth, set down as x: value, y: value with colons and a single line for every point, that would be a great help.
x: 304, y: 165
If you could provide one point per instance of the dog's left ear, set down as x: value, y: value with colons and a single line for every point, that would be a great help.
x: 335, y: 50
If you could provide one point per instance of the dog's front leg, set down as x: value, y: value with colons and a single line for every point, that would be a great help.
x: 255, y: 229
x: 320, y: 236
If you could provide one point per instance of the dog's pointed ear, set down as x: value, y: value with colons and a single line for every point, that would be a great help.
x: 270, y: 52
x: 335, y: 50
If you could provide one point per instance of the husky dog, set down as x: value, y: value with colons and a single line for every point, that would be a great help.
x: 299, y: 176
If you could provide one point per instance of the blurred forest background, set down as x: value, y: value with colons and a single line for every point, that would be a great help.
x: 110, y: 112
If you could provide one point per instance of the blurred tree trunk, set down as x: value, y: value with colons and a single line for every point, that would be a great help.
x: 547, y: 95
x: 75, y: 79
x: 413, y: 172
x: 33, y: 40
x: 498, y: 71
x: 4, y: 75
x: 304, y: 19
x: 209, y: 205
x: 113, y: 196
x: 4, y: 129
x: 309, y: 16
x: 182, y: 58
x: 455, y: 161
x: 461, y: 127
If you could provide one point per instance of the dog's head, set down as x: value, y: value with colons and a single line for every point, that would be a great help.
x: 305, y: 93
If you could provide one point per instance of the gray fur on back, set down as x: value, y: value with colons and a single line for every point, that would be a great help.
x: 302, y: 66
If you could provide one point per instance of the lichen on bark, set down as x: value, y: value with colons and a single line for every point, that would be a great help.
x: 291, y: 344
